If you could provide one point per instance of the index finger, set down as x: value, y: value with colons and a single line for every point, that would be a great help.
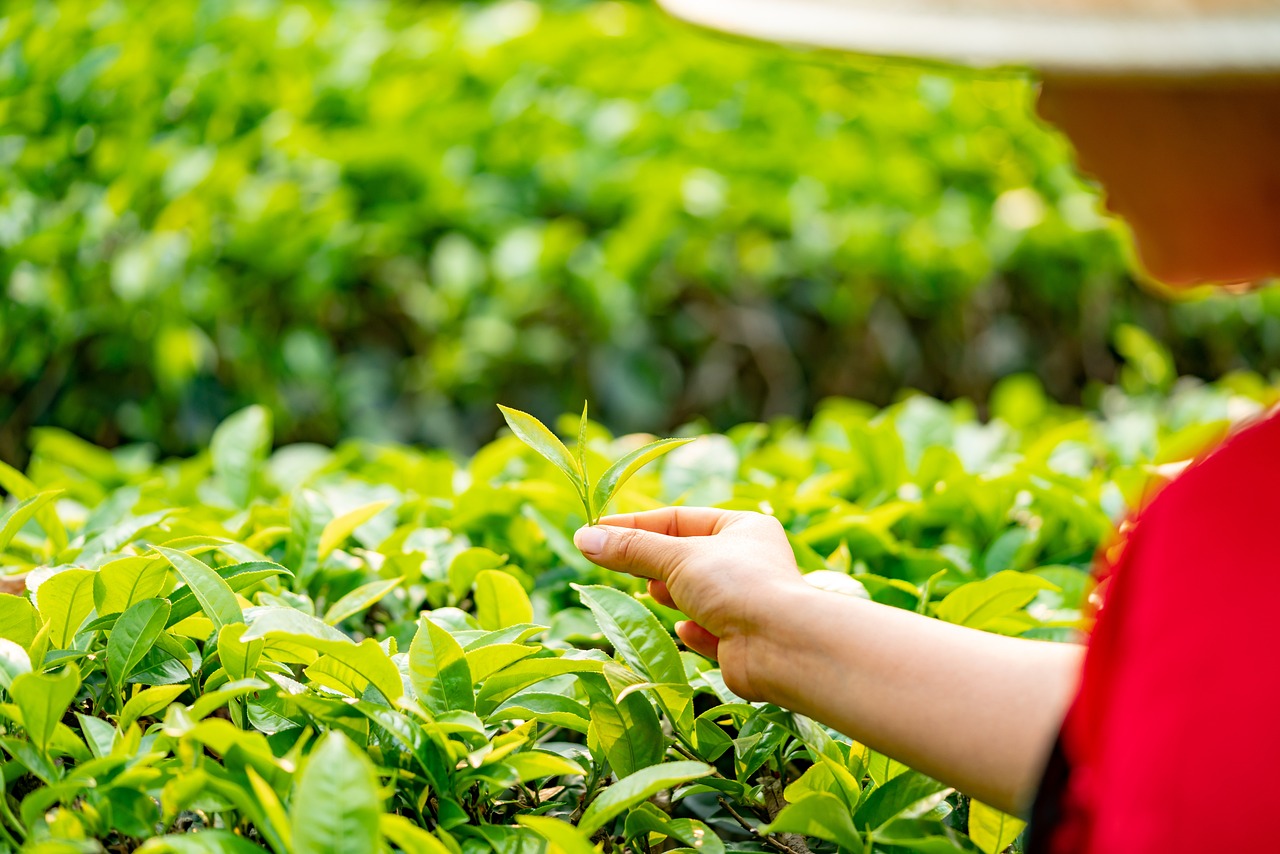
x: 674, y: 521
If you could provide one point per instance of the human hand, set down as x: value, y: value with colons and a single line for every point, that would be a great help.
x: 725, y: 569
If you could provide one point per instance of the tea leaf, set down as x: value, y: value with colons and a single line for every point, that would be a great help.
x: 982, y: 603
x: 239, y: 446
x: 438, y: 670
x: 992, y: 830
x: 360, y: 599
x: 212, y: 592
x: 410, y: 838
x: 562, y: 837
x: 17, y: 484
x: 148, y: 702
x: 336, y: 532
x: 500, y: 600
x: 895, y: 797
x: 43, y: 699
x: 621, y: 471
x: 127, y: 581
x: 489, y: 659
x: 133, y: 636
x: 64, y: 600
x: 821, y: 815
x: 635, y: 633
x: 12, y: 521
x: 308, y: 518
x: 534, y: 433
x: 628, y: 729
x: 14, y: 661
x: 19, y: 620
x: 637, y: 788
x: 337, y: 805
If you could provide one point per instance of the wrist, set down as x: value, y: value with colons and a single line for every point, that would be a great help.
x: 773, y: 638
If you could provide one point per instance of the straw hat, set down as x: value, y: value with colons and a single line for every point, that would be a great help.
x: 1075, y: 37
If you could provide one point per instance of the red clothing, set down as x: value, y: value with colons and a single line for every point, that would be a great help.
x: 1172, y: 742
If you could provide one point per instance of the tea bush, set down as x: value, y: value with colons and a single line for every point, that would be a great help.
x: 378, y: 217
x: 377, y: 647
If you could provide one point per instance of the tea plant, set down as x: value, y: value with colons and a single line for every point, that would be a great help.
x: 595, y: 497
x: 377, y: 648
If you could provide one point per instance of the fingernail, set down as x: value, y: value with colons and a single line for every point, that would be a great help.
x: 590, y: 540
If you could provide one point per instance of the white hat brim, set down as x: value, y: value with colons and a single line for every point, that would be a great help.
x: 1067, y: 43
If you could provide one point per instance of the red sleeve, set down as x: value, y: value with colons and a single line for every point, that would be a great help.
x: 1174, y: 737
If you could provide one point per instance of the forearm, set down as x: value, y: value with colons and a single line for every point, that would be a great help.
x: 975, y: 710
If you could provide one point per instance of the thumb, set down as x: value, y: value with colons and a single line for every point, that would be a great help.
x: 631, y: 550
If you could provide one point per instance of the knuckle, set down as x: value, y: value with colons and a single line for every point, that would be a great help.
x: 770, y: 524
x: 625, y: 546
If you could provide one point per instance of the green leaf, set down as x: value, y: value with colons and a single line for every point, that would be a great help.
x: 239, y: 446
x: 133, y: 636
x: 64, y: 600
x: 438, y: 670
x: 635, y: 633
x: 992, y: 830
x: 536, y: 764
x: 628, y: 730
x: 43, y: 699
x: 240, y: 576
x: 148, y: 702
x: 534, y: 433
x: 904, y: 794
x: 127, y: 581
x: 340, y: 529
x: 14, y: 661
x: 17, y: 484
x: 275, y: 825
x: 979, y: 604
x: 239, y: 657
x: 19, y: 620
x: 621, y: 471
x: 308, y: 517
x: 551, y: 709
x: 637, y: 788
x: 360, y: 599
x: 486, y: 660
x: 500, y: 600
x: 13, y: 521
x: 466, y: 564
x: 216, y: 598
x: 337, y: 803
x: 821, y: 815
x: 647, y: 818
x: 408, y: 837
x: 562, y: 837
x: 522, y: 674
x: 290, y: 630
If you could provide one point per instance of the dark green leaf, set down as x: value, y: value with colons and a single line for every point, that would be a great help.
x: 133, y: 636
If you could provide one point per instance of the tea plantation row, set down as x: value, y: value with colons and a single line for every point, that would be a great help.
x: 376, y: 647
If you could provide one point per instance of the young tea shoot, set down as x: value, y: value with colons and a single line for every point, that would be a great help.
x: 595, y: 496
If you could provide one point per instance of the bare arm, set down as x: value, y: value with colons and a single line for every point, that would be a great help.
x: 975, y: 710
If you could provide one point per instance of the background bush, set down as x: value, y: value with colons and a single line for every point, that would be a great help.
x: 378, y: 218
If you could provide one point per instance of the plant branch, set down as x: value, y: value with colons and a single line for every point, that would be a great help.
x: 768, y: 839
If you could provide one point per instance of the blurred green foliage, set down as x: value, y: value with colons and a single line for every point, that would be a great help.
x: 378, y: 218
